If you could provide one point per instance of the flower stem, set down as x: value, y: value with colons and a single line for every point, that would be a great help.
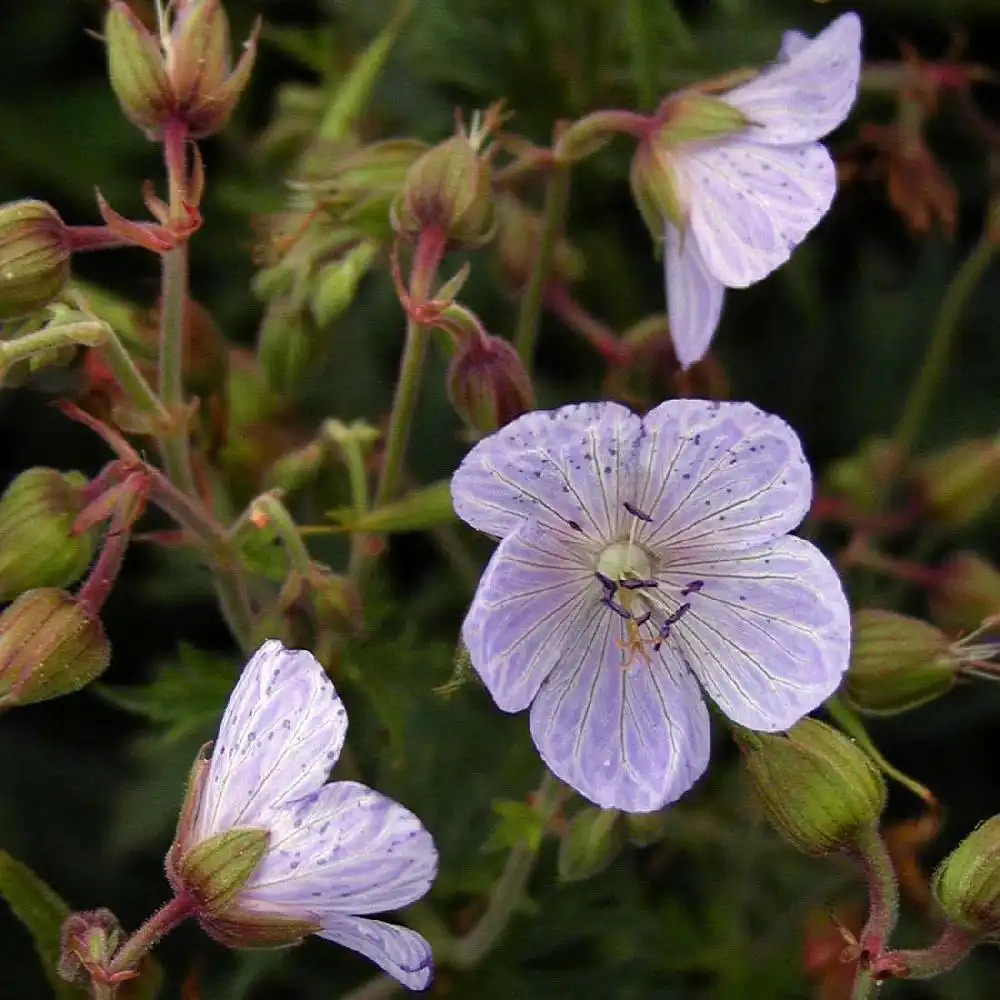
x: 553, y: 217
x: 132, y: 381
x: 160, y: 923
x: 924, y: 388
x: 864, y: 985
x: 275, y: 514
x: 883, y: 892
x: 51, y: 337
x: 426, y: 259
x: 509, y: 889
x: 949, y: 950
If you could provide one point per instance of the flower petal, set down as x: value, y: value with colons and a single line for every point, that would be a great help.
x: 400, y: 952
x: 626, y: 737
x: 768, y: 635
x: 342, y: 849
x: 536, y: 592
x: 810, y: 92
x: 751, y: 204
x: 281, y: 733
x: 694, y: 298
x: 491, y: 490
x: 718, y: 474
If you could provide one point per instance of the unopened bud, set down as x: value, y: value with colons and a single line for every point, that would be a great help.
x: 50, y: 645
x: 34, y: 257
x: 184, y: 76
x: 488, y: 384
x: 518, y: 236
x: 966, y: 592
x: 818, y: 789
x: 897, y: 663
x: 448, y: 190
x: 37, y: 545
x: 863, y: 477
x: 591, y: 842
x: 88, y: 942
x: 287, y: 347
x: 960, y: 484
x: 967, y: 882
x: 336, y: 283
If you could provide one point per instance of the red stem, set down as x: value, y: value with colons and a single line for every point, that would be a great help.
x: 559, y: 300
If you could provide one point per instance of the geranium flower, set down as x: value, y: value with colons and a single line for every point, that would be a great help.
x: 332, y: 854
x: 640, y: 558
x: 733, y: 184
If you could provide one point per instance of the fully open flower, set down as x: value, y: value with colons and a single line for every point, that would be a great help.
x: 639, y: 559
x: 739, y: 181
x: 329, y: 854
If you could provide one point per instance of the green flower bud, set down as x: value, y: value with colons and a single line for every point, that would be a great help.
x: 591, y: 842
x: 967, y: 882
x: 34, y: 257
x: 448, y: 189
x: 336, y: 283
x: 816, y: 788
x: 960, y: 484
x: 50, y: 645
x: 183, y: 76
x: 287, y: 348
x: 37, y: 546
x: 897, y: 663
x: 518, y: 233
x: 487, y: 383
x: 966, y: 593
x: 644, y: 829
x: 862, y: 477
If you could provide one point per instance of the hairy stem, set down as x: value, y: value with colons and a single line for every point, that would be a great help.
x: 160, y: 923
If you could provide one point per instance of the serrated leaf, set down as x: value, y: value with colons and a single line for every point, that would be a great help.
x: 42, y: 912
x: 519, y: 823
x: 591, y: 842
x: 423, y: 508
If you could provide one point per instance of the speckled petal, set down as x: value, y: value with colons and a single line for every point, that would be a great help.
x: 400, y: 952
x: 626, y: 737
x: 751, y: 204
x: 768, y: 635
x: 694, y: 298
x: 537, y: 593
x: 495, y: 487
x: 343, y: 849
x: 718, y: 474
x: 810, y: 91
x: 282, y: 732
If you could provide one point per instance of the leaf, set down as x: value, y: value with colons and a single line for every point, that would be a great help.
x: 423, y: 508
x: 42, y: 913
x: 520, y: 823
x: 591, y: 842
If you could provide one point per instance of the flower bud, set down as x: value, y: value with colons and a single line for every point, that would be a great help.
x: 287, y: 347
x: 184, y: 76
x: 34, y: 257
x: 591, y: 842
x: 967, y: 882
x: 817, y: 789
x: 518, y: 235
x: 960, y: 484
x: 50, y: 645
x: 37, y: 545
x: 966, y: 593
x: 88, y: 942
x: 448, y: 189
x: 488, y: 384
x: 863, y: 477
x: 897, y: 663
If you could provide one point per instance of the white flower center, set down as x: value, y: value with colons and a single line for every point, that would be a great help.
x: 624, y: 561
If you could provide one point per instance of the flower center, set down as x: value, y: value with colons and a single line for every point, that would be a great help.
x: 622, y: 561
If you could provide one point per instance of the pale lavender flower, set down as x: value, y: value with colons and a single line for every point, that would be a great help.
x: 750, y: 197
x: 336, y: 852
x: 640, y: 558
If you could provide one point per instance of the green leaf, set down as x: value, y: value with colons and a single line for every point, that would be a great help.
x: 591, y: 842
x: 42, y: 913
x: 519, y: 823
x: 423, y: 508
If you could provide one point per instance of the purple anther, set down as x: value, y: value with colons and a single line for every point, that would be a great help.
x: 637, y: 584
x: 635, y: 512
x: 616, y: 608
x: 606, y: 582
x: 693, y: 587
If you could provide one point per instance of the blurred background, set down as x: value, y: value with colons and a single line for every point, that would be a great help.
x: 714, y: 907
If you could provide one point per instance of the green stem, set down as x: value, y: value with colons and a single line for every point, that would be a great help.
x: 132, y: 381
x: 553, y: 217
x: 160, y: 923
x: 52, y: 337
x: 509, y: 889
x: 924, y: 388
x: 864, y: 985
x: 278, y: 516
x: 426, y: 259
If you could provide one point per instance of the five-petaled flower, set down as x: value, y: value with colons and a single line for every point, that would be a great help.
x: 639, y: 558
x: 734, y: 184
x: 320, y: 855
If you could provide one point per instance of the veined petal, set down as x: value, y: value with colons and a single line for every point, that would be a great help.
x: 281, y: 733
x: 792, y: 43
x: 694, y: 298
x: 343, y: 849
x: 487, y: 491
x: 751, y: 204
x: 768, y: 635
x: 535, y: 595
x: 626, y: 737
x: 400, y: 952
x: 810, y: 92
x: 718, y: 474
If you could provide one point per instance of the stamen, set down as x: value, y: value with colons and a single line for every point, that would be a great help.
x: 635, y: 512
x: 693, y: 587
x: 640, y: 621
x: 668, y: 623
x: 616, y: 608
x: 606, y: 582
x: 637, y: 584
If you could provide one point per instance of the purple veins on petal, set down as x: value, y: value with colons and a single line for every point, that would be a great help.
x: 402, y: 953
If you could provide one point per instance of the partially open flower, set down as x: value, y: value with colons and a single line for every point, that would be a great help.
x: 268, y: 853
x: 183, y: 76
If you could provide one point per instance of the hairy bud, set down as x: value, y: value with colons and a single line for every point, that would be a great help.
x: 960, y: 484
x: 967, y: 883
x: 34, y: 257
x: 487, y: 383
x: 966, y: 593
